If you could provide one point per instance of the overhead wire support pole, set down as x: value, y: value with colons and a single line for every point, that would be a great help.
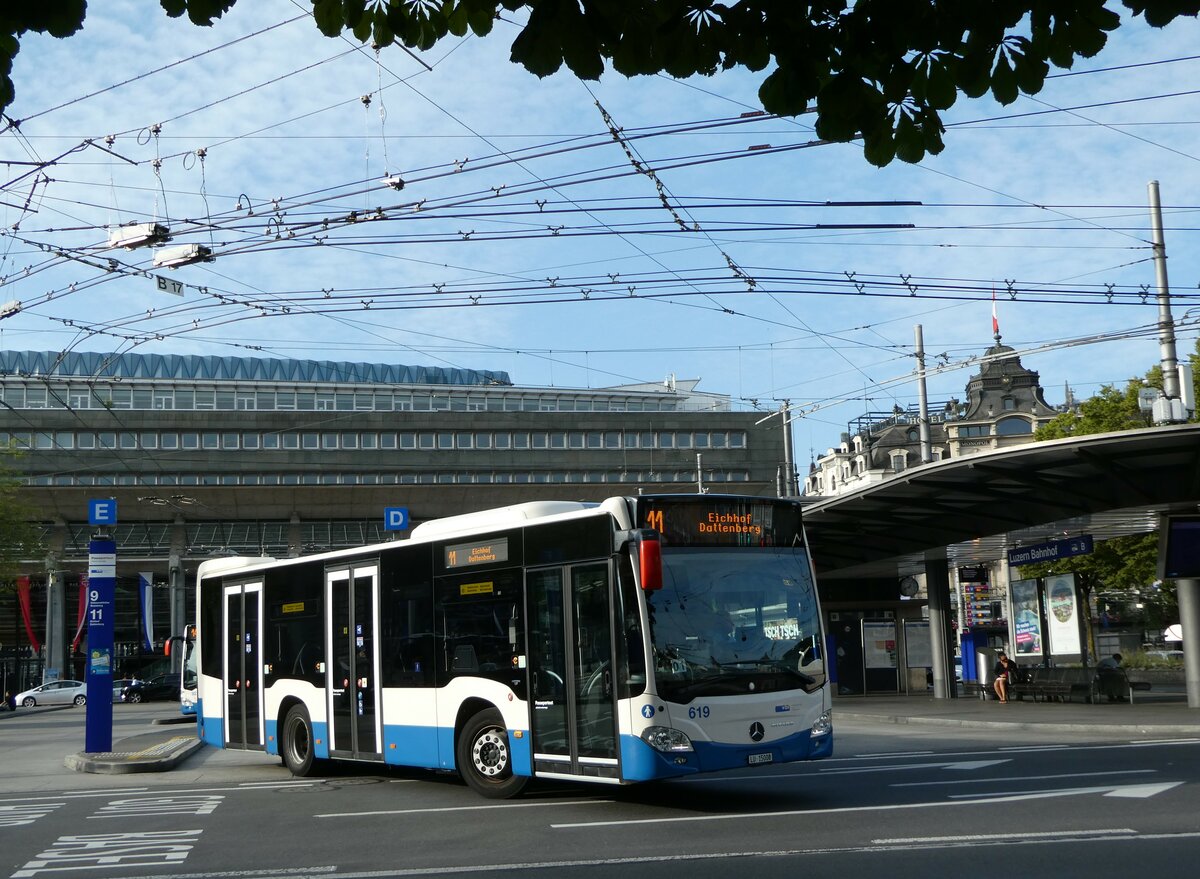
x: 922, y: 398
x: 789, y: 464
x: 1166, y: 325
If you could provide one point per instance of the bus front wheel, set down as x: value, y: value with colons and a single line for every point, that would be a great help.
x: 297, y: 744
x: 485, y: 759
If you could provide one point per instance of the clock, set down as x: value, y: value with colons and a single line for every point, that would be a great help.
x: 909, y: 586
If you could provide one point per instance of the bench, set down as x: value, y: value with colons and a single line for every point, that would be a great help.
x: 1062, y: 684
x: 1114, y: 685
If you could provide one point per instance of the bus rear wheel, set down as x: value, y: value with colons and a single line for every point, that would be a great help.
x: 297, y: 743
x: 485, y: 759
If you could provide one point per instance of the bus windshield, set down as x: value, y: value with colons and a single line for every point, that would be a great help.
x: 728, y: 621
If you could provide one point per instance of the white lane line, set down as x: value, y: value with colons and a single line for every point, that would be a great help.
x: 1029, y: 749
x: 77, y: 795
x: 1002, y: 837
x: 1007, y: 778
x: 462, y: 808
x: 956, y: 765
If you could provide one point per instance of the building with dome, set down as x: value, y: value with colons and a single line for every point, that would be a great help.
x: 1004, y: 407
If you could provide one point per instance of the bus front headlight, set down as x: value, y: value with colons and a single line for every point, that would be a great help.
x: 665, y: 739
x: 823, y: 724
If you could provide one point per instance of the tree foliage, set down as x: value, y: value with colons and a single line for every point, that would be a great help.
x: 1113, y: 409
x: 19, y: 538
x: 880, y: 70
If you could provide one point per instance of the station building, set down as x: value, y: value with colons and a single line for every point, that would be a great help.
x: 212, y: 456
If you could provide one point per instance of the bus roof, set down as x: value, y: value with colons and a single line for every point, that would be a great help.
x: 496, y: 518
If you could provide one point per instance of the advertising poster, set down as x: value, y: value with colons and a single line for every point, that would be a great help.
x: 1027, y: 617
x: 879, y: 644
x: 917, y: 651
x: 1062, y: 614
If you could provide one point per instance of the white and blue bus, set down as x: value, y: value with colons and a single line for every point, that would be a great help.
x: 640, y: 638
x: 184, y: 646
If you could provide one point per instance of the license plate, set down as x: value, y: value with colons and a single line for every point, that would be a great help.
x: 760, y: 758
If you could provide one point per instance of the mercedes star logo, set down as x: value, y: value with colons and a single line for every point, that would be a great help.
x: 756, y: 732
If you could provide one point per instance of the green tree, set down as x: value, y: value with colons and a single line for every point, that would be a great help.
x: 1122, y: 564
x: 1110, y: 410
x: 882, y: 70
x: 19, y: 536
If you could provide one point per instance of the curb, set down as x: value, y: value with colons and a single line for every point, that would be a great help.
x: 1119, y: 729
x: 157, y: 758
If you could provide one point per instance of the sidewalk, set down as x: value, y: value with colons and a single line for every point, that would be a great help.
x: 1157, y: 712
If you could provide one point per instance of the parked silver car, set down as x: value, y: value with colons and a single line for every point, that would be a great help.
x: 54, y: 693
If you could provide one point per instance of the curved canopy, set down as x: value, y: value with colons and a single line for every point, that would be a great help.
x: 973, y: 509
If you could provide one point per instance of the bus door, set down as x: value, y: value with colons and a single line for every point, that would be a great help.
x: 352, y: 673
x: 571, y: 679
x: 243, y: 673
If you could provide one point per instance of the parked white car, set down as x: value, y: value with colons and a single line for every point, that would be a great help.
x: 54, y: 693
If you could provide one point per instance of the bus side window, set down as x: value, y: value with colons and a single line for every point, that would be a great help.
x: 481, y: 631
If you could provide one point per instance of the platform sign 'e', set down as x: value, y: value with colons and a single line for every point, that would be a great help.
x: 102, y: 512
x: 395, y: 518
x: 102, y: 587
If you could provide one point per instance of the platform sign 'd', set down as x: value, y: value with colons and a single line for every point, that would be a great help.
x: 395, y: 518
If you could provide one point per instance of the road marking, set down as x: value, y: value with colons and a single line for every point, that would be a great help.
x: 154, y: 807
x: 1008, y: 778
x: 462, y: 808
x: 106, y: 850
x: 960, y: 765
x: 895, y: 754
x: 1132, y: 791
x: 26, y: 813
x: 1146, y: 790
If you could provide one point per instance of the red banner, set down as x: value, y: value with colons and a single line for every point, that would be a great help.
x: 83, y: 605
x: 26, y: 614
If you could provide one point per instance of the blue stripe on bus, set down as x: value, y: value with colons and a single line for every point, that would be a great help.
x: 640, y: 762
x: 411, y: 746
x: 433, y: 748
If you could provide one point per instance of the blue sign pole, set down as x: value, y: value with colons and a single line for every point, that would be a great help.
x: 102, y: 588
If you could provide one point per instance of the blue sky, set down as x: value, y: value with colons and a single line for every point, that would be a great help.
x: 524, y: 239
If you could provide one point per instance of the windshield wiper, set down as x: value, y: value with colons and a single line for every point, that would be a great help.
x: 772, y: 665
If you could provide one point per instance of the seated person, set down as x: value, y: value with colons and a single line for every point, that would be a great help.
x: 1112, y: 682
x: 1006, y: 672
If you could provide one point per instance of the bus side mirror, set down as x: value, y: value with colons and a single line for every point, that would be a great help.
x: 649, y: 559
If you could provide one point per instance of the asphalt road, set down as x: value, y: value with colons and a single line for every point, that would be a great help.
x: 908, y: 802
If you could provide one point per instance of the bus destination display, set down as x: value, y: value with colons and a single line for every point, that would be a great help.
x: 721, y: 523
x: 465, y: 555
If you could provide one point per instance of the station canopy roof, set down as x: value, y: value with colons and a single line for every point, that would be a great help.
x: 972, y: 510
